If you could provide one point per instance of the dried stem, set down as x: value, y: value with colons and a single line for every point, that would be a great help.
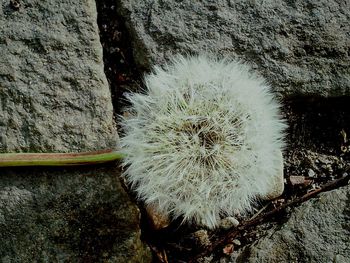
x: 58, y: 159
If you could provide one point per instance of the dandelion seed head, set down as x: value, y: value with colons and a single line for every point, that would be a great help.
x: 203, y: 141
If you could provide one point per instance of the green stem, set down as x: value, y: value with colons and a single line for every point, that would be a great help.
x: 58, y: 159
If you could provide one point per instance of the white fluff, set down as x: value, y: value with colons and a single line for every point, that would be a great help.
x: 203, y: 142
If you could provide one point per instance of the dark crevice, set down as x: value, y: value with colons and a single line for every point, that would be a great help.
x: 318, y: 123
x: 120, y: 69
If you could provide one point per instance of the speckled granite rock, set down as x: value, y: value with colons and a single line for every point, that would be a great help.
x: 53, y: 91
x: 67, y: 215
x: 54, y: 96
x: 301, y: 47
x: 318, y: 231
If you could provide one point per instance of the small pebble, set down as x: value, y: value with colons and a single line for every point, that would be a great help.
x: 311, y: 173
x: 207, y: 259
x: 229, y: 222
x: 236, y: 242
x: 202, y: 238
x: 296, y: 179
x: 329, y: 168
x: 156, y: 219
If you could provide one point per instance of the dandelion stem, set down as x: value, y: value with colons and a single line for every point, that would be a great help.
x: 58, y: 159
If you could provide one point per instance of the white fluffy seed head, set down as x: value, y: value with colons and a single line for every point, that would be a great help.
x: 204, y: 140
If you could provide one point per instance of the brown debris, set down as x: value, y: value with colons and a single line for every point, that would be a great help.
x: 157, y: 220
x: 299, y: 180
x: 228, y: 249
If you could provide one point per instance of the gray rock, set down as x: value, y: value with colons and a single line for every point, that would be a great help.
x: 318, y: 231
x: 300, y: 47
x: 54, y: 96
x: 67, y: 215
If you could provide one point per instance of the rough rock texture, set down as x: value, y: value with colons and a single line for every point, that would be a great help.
x: 53, y: 92
x: 54, y: 96
x: 70, y: 215
x: 301, y: 47
x: 318, y: 231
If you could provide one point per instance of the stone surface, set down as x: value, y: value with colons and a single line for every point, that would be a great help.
x: 300, y: 47
x: 67, y: 215
x: 317, y: 231
x: 54, y: 96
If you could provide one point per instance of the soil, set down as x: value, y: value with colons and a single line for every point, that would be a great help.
x: 317, y: 151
